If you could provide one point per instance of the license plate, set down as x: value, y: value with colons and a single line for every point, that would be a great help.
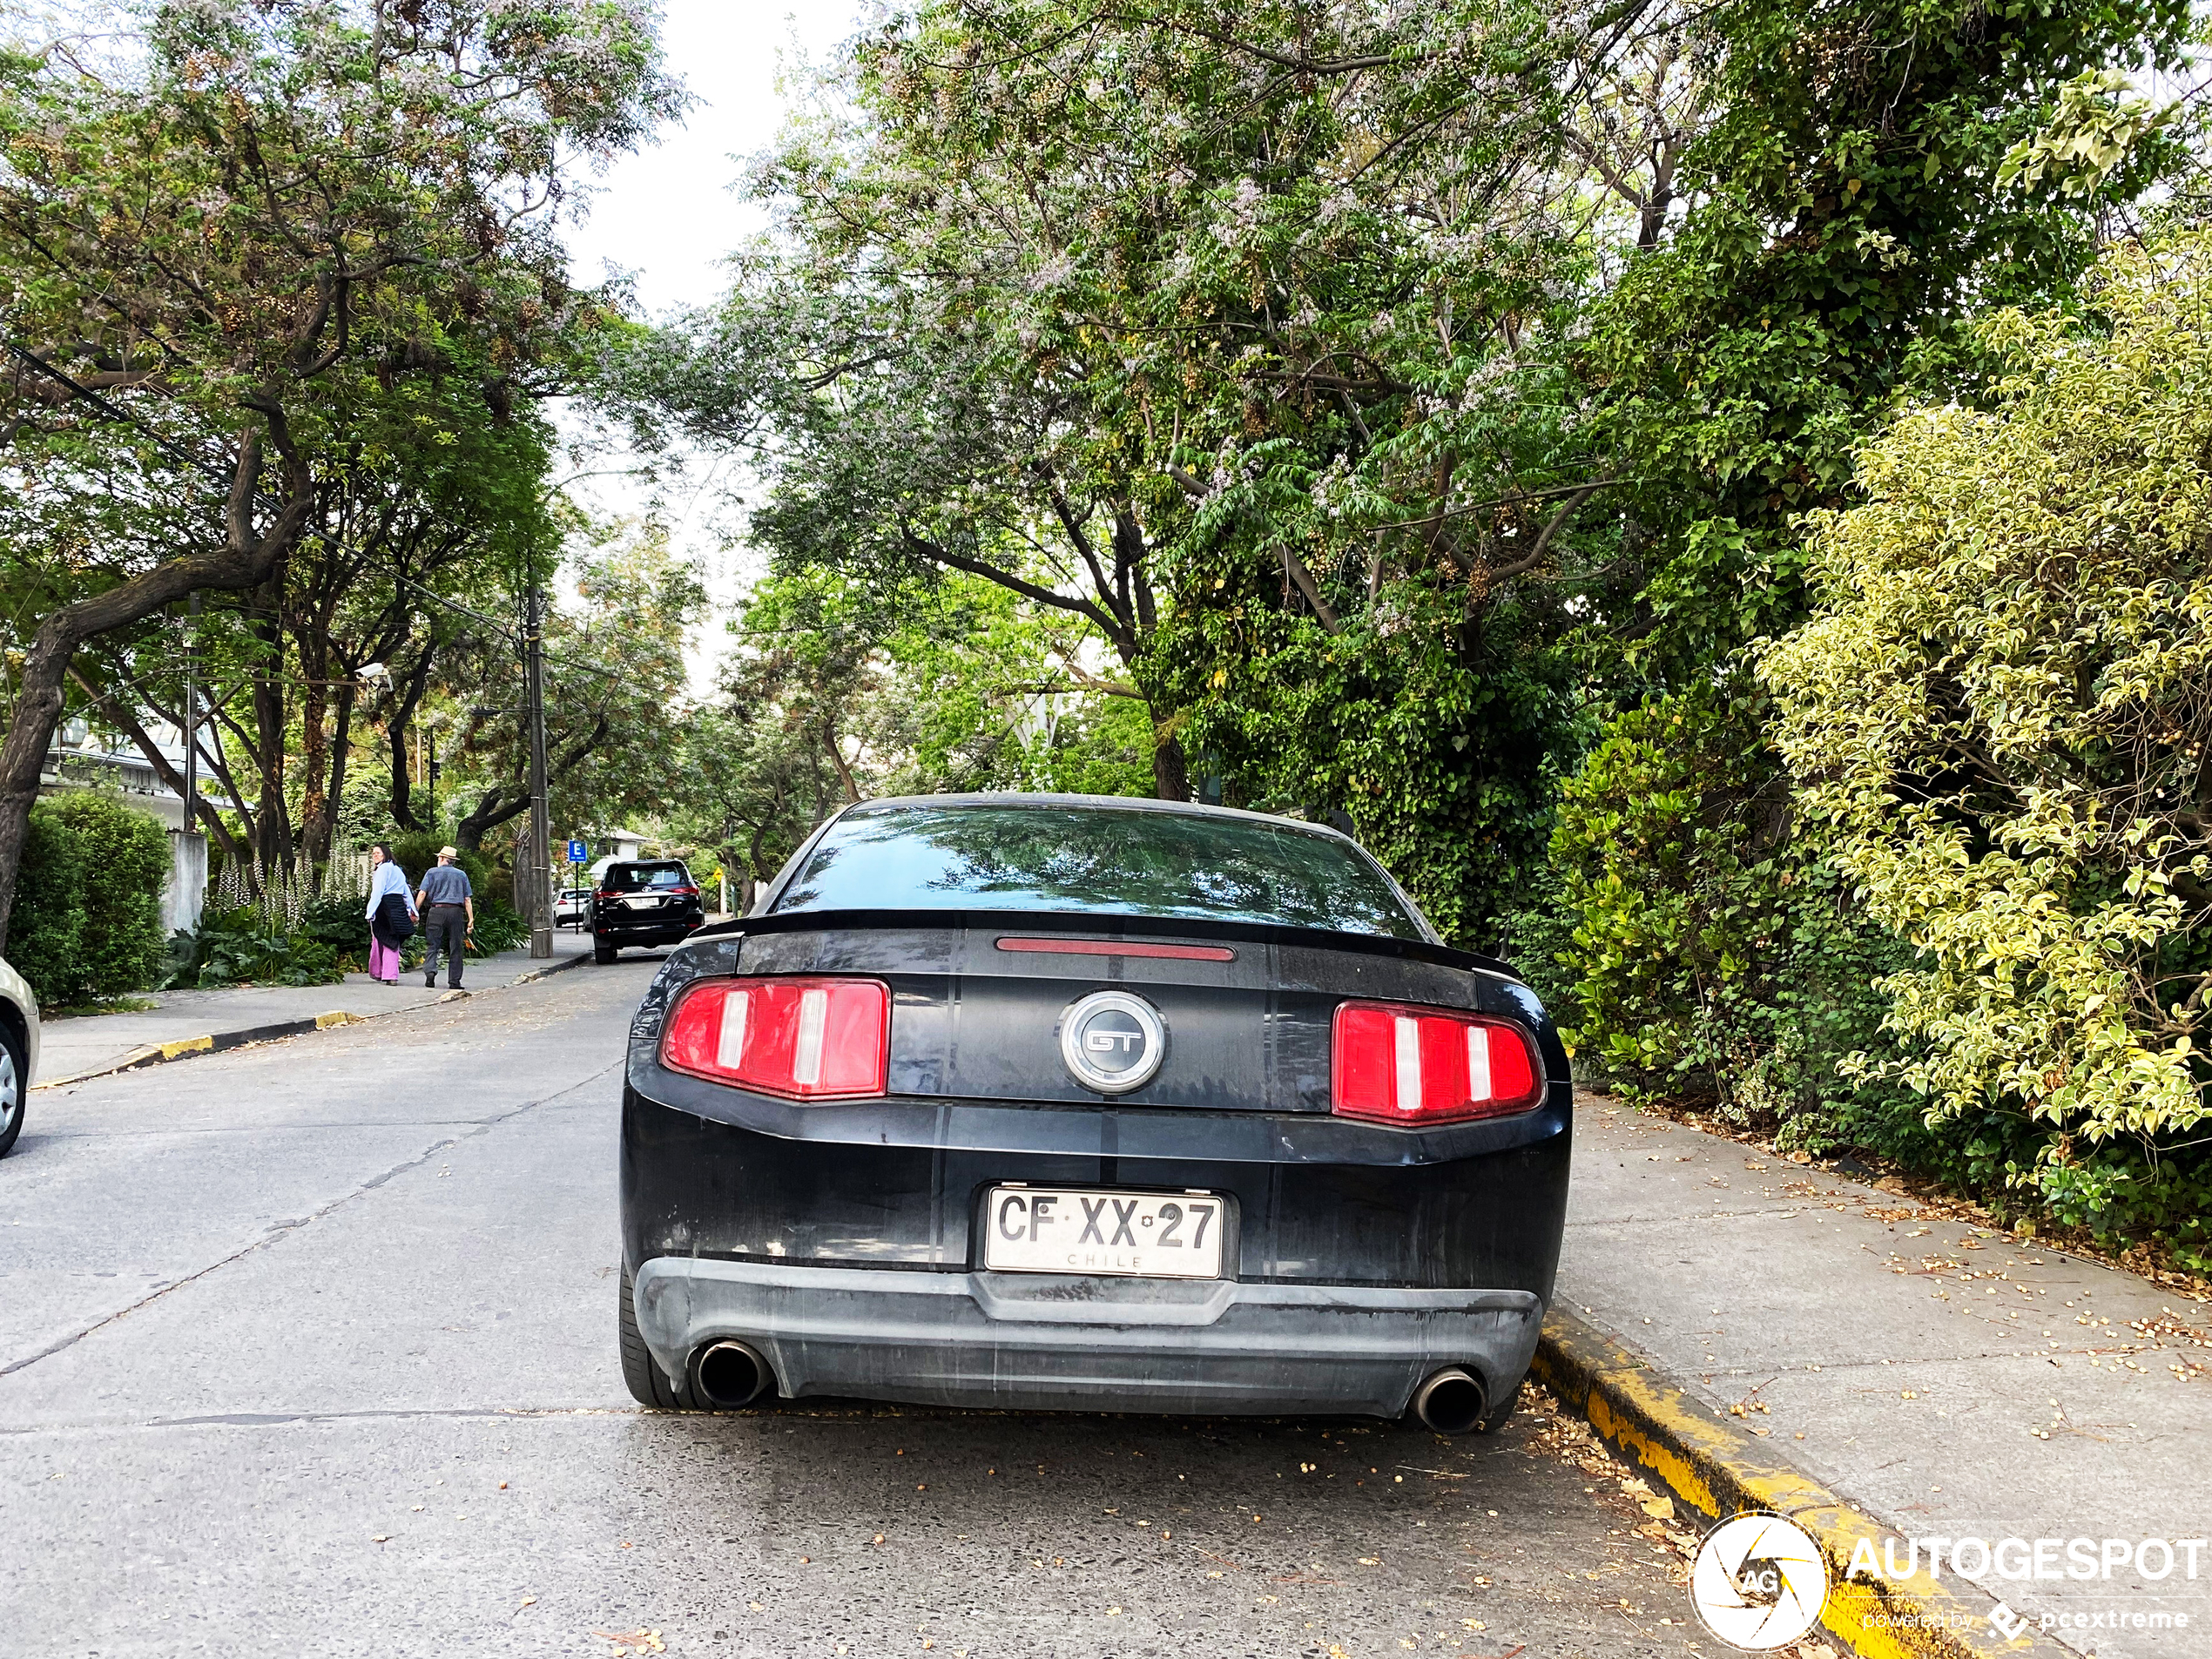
x: 1149, y: 1235
x: 643, y: 904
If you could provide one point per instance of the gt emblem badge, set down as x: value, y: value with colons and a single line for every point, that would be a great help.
x: 1113, y: 1043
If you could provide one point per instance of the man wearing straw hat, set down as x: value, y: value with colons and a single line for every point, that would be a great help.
x: 448, y: 907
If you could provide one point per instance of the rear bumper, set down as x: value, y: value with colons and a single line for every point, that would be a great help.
x: 655, y: 928
x: 1043, y: 1341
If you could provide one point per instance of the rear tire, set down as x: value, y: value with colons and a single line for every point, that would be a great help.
x: 648, y: 1383
x: 603, y: 954
x: 14, y: 1089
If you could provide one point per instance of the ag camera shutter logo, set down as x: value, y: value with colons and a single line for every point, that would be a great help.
x: 1113, y: 1043
x: 1758, y: 1582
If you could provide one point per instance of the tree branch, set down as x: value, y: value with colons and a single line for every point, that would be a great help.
x: 1558, y: 521
x: 923, y: 547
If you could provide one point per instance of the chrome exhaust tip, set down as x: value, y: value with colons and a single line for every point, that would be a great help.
x: 728, y: 1373
x: 1451, y: 1402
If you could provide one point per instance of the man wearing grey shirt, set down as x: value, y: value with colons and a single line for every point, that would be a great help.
x: 448, y: 905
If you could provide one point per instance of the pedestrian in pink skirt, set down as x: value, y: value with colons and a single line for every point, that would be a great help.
x: 391, y: 914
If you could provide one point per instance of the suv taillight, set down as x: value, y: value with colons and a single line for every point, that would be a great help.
x: 1391, y: 1064
x: 808, y: 1039
x: 683, y: 893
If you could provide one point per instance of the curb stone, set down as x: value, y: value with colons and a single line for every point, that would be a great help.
x: 537, y: 974
x: 1714, y: 1469
x: 217, y: 1042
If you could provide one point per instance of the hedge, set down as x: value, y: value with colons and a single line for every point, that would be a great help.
x: 87, y: 918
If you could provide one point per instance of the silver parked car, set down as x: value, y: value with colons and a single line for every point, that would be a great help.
x: 18, y: 1052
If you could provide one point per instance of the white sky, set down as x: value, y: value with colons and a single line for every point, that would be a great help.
x: 666, y: 213
x: 667, y: 216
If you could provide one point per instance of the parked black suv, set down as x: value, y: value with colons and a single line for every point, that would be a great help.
x: 646, y: 901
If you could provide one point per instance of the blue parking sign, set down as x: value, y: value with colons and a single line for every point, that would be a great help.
x: 577, y: 852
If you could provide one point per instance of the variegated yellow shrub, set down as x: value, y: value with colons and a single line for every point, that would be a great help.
x: 2004, y: 705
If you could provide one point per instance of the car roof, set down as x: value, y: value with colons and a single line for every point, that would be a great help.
x: 1115, y: 803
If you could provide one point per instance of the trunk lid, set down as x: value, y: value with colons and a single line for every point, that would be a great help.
x: 979, y: 1000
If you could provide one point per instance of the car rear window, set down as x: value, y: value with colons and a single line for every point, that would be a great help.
x: 1126, y: 861
x: 638, y: 878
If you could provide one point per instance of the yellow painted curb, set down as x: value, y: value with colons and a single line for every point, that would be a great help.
x: 187, y: 1045
x: 337, y: 1016
x: 1715, y: 1469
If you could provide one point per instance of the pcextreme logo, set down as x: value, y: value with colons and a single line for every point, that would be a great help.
x: 1758, y: 1582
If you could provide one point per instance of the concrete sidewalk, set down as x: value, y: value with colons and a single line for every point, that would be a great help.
x: 1947, y: 1380
x: 91, y: 1044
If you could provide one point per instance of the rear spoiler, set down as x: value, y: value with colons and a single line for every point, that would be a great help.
x: 1110, y: 926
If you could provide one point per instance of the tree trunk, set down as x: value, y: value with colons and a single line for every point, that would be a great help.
x: 276, y: 844
x: 1170, y: 771
x: 496, y: 807
x: 245, y: 561
x: 314, y: 753
x: 844, y: 772
x: 402, y: 786
x: 341, y: 742
x: 395, y: 731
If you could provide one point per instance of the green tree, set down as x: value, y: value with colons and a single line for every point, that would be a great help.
x: 1112, y: 306
x: 614, y: 676
x: 244, y: 245
x: 1852, y: 211
x: 1713, y: 954
x: 838, y: 689
x: 1850, y: 221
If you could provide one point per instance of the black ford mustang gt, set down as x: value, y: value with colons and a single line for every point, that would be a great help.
x: 1035, y: 1101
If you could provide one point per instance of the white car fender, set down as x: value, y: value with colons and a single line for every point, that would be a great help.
x: 16, y: 990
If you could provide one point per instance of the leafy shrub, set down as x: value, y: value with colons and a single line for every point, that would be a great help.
x: 235, y: 946
x: 87, y: 921
x: 340, y: 924
x: 46, y: 931
x: 125, y: 856
x: 2001, y: 708
x: 1711, y: 959
x: 498, y: 927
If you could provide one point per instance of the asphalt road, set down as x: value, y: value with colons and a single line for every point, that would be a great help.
x: 309, y: 1349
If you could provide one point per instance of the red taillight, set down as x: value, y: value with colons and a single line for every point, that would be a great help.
x: 1409, y: 1065
x: 684, y: 893
x: 809, y: 1039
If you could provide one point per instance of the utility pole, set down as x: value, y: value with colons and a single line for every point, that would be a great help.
x: 541, y: 852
